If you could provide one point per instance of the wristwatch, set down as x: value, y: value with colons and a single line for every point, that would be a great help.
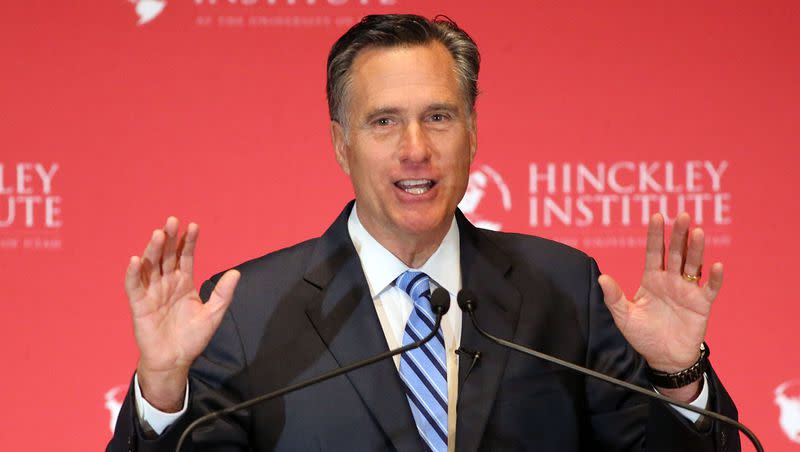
x: 684, y: 377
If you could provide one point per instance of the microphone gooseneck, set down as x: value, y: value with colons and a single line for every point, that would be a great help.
x: 440, y: 304
x: 467, y: 302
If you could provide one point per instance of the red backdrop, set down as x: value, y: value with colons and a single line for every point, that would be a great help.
x: 215, y: 112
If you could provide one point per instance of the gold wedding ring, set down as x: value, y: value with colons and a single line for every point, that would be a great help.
x: 691, y: 278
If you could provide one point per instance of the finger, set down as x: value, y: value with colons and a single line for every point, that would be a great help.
x: 677, y: 243
x: 168, y: 259
x: 222, y: 295
x: 613, y: 295
x: 179, y: 249
x: 694, y: 253
x: 151, y: 258
x: 654, y: 250
x: 714, y: 283
x: 133, y: 280
x: 189, y: 242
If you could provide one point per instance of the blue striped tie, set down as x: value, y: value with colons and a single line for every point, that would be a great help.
x: 424, y: 369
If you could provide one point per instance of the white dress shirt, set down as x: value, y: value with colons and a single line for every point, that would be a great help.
x: 394, y: 307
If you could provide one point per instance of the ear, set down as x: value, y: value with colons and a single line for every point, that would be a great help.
x: 473, y: 135
x: 340, y: 146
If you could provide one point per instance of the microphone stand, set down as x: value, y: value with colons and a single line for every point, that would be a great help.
x: 468, y: 305
x: 440, y: 303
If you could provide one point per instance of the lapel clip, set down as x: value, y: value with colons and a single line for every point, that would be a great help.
x: 475, y: 356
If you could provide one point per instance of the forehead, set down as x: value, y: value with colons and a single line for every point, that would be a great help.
x: 403, y: 76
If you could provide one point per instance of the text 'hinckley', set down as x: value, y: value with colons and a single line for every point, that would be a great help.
x: 27, y: 196
x: 622, y: 193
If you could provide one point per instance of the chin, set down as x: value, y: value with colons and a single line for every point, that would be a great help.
x: 423, y: 222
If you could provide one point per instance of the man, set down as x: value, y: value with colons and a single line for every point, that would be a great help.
x: 401, y: 92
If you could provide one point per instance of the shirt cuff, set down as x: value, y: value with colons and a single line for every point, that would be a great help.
x: 151, y: 418
x: 700, y: 402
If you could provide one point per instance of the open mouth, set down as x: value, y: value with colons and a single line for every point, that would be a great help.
x: 415, y: 186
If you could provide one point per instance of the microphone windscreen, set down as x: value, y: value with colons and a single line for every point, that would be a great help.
x: 440, y: 299
x: 466, y: 300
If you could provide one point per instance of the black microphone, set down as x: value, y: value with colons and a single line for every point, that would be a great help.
x: 474, y: 355
x: 467, y: 303
x: 440, y: 304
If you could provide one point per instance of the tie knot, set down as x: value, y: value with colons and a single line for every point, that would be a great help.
x: 415, y: 284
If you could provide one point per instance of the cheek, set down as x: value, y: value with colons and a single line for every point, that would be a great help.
x: 459, y: 165
x: 461, y: 180
x: 369, y: 175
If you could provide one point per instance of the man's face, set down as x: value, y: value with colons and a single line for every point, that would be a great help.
x: 410, y: 143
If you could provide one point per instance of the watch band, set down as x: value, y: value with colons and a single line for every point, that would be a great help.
x: 684, y: 377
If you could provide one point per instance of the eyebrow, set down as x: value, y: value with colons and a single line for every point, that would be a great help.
x: 445, y: 106
x: 381, y: 111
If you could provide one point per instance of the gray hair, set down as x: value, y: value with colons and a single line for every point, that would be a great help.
x: 390, y: 30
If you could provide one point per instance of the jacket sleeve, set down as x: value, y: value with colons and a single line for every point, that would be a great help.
x: 623, y: 421
x: 213, y: 384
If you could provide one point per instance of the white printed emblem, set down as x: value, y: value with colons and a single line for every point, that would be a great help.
x: 787, y: 397
x: 114, y: 397
x: 479, y: 180
x: 147, y: 10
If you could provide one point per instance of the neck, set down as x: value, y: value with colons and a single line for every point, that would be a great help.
x: 412, y: 249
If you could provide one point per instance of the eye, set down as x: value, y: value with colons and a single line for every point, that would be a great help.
x: 383, y: 122
x: 439, y: 117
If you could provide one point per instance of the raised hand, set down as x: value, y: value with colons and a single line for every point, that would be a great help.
x: 171, y: 324
x: 667, y: 318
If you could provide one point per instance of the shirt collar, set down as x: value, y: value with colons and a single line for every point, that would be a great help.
x: 381, y: 267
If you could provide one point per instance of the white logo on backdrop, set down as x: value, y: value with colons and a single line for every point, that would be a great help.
x: 296, y: 2
x: 259, y: 13
x: 787, y: 397
x: 577, y: 199
x: 147, y: 10
x: 479, y: 180
x: 626, y: 193
x: 114, y: 397
x: 30, y: 206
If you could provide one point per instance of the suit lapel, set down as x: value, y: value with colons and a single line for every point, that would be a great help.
x: 344, y: 316
x: 484, y: 268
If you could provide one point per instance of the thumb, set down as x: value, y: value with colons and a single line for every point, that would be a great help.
x: 612, y: 294
x: 222, y: 294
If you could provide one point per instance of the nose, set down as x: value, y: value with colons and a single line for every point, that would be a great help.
x: 415, y: 146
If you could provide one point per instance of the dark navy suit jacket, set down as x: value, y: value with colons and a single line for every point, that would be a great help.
x: 307, y: 309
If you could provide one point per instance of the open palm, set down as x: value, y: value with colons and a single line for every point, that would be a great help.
x: 171, y: 324
x: 666, y: 319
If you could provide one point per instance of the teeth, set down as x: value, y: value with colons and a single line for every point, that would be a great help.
x: 413, y: 182
x: 415, y: 186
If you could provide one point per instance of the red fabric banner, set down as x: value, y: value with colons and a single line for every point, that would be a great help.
x: 118, y: 113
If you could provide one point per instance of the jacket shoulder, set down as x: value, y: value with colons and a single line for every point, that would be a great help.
x: 541, y: 252
x: 286, y: 262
